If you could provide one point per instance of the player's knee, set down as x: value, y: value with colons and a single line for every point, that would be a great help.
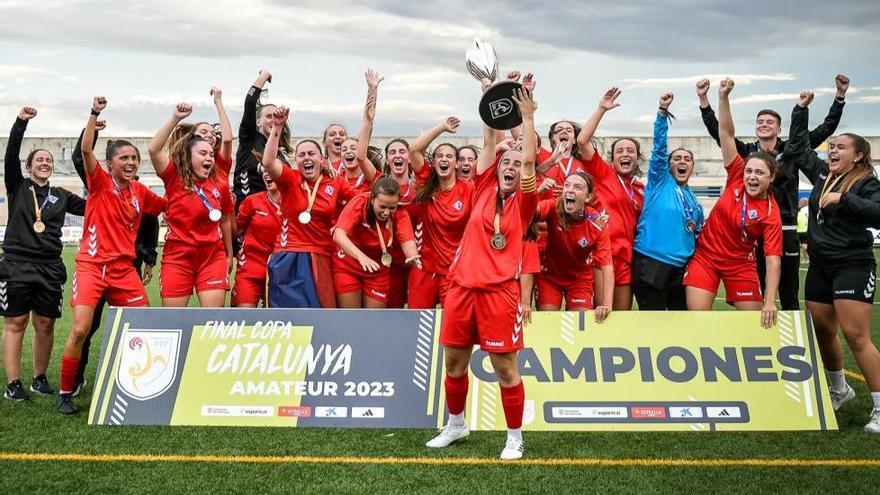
x: 44, y: 324
x: 79, y: 333
x: 859, y: 340
x: 508, y: 375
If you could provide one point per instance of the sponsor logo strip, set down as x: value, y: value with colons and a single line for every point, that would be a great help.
x: 642, y: 412
x: 238, y: 411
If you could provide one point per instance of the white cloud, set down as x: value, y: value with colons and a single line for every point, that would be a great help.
x: 23, y: 74
x: 868, y: 99
x: 434, y: 79
x: 669, y: 82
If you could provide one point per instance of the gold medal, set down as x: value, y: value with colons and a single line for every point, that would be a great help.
x: 498, y: 242
x: 39, y: 227
x: 386, y: 259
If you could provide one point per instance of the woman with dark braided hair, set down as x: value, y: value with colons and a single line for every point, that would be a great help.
x: 442, y: 207
x: 197, y: 255
x: 32, y: 273
x: 104, y: 264
x: 300, y: 270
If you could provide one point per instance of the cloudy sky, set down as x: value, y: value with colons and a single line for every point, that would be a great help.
x: 146, y: 56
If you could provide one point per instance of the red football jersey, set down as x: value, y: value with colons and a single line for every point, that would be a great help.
x: 353, y: 220
x: 360, y: 184
x: 222, y: 165
x: 315, y: 236
x: 622, y: 199
x: 189, y: 209
x: 259, y: 218
x: 442, y: 220
x: 571, y: 254
x: 737, y: 222
x: 477, y: 265
x: 113, y: 216
x: 557, y: 172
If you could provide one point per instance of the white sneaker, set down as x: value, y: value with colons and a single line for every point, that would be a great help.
x: 513, y: 449
x: 448, y: 435
x: 873, y: 426
x: 838, y: 399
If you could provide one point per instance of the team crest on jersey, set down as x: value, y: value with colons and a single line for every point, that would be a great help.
x: 216, y: 193
x: 148, y: 362
x: 753, y: 214
x: 582, y: 242
x: 329, y: 190
x: 458, y: 205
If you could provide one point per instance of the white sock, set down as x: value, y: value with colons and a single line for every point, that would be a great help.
x: 456, y: 419
x: 876, y: 397
x: 838, y: 380
x: 515, y: 433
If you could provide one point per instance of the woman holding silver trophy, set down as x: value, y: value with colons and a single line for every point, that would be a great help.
x: 483, y: 299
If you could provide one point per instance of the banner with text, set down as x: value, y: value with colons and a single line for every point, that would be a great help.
x: 384, y: 369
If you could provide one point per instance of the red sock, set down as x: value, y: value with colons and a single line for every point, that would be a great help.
x: 513, y: 400
x: 456, y: 393
x: 69, y: 366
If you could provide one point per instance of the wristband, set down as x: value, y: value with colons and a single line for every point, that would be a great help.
x: 839, y: 99
x: 95, y: 113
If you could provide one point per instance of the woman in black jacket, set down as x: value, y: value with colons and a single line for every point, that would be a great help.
x: 32, y: 274
x: 840, y: 282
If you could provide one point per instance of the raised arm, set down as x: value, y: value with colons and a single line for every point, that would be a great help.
x: 366, y: 131
x: 798, y: 151
x: 490, y: 139
x: 527, y: 106
x: 90, y: 161
x: 226, y: 136
x: 709, y: 119
x: 158, y: 155
x: 12, y: 161
x: 270, y: 152
x: 421, y: 143
x: 77, y: 157
x: 658, y: 167
x: 725, y: 122
x: 824, y: 130
x: 247, y: 129
x: 585, y: 137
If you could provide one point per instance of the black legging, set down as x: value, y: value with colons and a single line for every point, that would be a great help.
x: 789, y: 277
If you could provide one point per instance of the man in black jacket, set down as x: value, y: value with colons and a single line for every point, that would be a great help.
x: 768, y: 125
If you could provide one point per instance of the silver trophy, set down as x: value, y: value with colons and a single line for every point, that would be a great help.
x: 497, y: 108
x: 481, y: 60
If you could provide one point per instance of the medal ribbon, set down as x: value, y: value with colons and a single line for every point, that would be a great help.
x: 204, y: 199
x: 313, y: 193
x: 382, y: 239
x: 38, y: 208
x: 630, y: 191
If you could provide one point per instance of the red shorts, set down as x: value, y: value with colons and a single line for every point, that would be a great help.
x: 118, y: 281
x: 740, y: 279
x: 186, y: 268
x: 426, y: 289
x: 397, y: 285
x: 492, y: 319
x: 372, y: 285
x: 248, y: 289
x: 622, y: 271
x: 578, y: 294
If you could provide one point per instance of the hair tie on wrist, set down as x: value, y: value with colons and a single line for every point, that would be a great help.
x: 95, y: 113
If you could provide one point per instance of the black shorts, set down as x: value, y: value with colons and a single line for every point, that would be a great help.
x: 854, y: 281
x: 26, y: 286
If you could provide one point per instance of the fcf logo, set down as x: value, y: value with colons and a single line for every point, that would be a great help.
x: 148, y: 362
x: 500, y: 108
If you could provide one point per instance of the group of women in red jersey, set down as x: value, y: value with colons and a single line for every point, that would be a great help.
x: 485, y: 234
